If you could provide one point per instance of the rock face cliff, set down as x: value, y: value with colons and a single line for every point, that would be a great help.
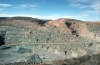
x: 48, y: 40
x: 79, y: 28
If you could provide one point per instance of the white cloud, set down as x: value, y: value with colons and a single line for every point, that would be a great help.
x: 75, y: 5
x: 81, y: 1
x: 85, y: 14
x: 90, y: 12
x: 5, y: 5
x: 23, y: 5
x: 26, y: 6
x: 96, y: 6
x: 15, y: 7
x: 78, y: 5
x: 75, y: 1
x: 93, y: 6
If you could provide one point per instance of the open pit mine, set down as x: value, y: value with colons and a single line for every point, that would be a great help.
x: 32, y: 41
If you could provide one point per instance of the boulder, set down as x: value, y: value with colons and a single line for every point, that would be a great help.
x: 24, y: 50
x: 35, y: 59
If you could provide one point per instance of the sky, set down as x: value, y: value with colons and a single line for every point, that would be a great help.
x: 85, y: 10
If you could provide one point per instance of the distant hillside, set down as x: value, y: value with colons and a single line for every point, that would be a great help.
x: 4, y: 17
